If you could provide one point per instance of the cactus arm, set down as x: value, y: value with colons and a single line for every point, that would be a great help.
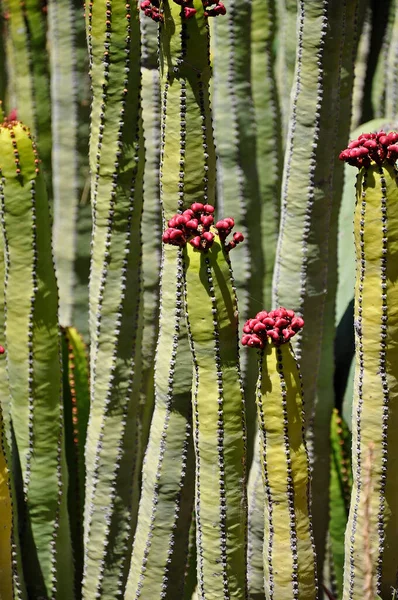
x: 375, y: 414
x: 286, y: 39
x: 117, y: 164
x: 34, y: 367
x: 64, y: 156
x: 219, y: 432
x: 29, y: 73
x: 391, y: 71
x: 289, y: 558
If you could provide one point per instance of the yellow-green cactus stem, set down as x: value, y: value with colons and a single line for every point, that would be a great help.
x: 255, y: 534
x: 375, y: 404
x: 187, y: 174
x: 288, y: 554
x: 29, y: 72
x: 32, y: 339
x: 117, y: 166
x: 217, y: 401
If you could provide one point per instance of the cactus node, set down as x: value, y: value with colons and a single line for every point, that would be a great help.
x: 371, y: 147
x: 278, y: 325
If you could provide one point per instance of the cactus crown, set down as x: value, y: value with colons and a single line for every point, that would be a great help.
x: 194, y: 225
x: 278, y: 325
x: 371, y: 148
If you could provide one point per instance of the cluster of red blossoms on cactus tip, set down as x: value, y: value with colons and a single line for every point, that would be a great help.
x: 278, y: 325
x: 194, y: 226
x: 151, y: 9
x: 376, y: 147
x: 212, y: 8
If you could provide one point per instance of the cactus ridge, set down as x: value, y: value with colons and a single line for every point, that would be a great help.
x: 219, y: 426
x: 116, y: 160
x: 160, y: 535
x: 374, y: 414
x: 35, y: 384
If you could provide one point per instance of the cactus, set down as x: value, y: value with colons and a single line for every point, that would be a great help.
x: 117, y: 164
x: 289, y: 553
x: 34, y: 366
x: 29, y: 72
x: 374, y: 405
x: 305, y: 274
x: 217, y: 400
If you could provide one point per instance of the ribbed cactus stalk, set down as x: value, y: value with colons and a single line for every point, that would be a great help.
x: 29, y: 72
x: 70, y: 143
x: 34, y: 366
x: 187, y: 174
x: 288, y: 553
x: 217, y: 400
x: 375, y: 403
x: 117, y: 165
x: 305, y: 273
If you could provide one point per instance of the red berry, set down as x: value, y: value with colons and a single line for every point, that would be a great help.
x: 208, y: 208
x: 196, y: 241
x: 197, y: 207
x: 238, y: 237
x: 2, y: 350
x: 208, y: 236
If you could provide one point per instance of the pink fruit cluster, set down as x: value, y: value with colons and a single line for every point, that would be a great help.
x: 194, y: 226
x: 278, y: 325
x: 212, y: 8
x: 151, y: 9
x: 376, y: 147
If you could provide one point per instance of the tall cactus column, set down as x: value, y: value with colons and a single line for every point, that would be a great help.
x: 217, y: 401
x: 375, y: 405
x: 116, y: 164
x: 187, y: 174
x: 34, y: 366
x: 288, y: 552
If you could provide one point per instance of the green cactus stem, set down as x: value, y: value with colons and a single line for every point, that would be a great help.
x: 255, y: 534
x: 289, y: 553
x: 34, y: 366
x: 187, y: 174
x: 305, y: 274
x: 117, y: 166
x: 70, y: 141
x: 217, y: 400
x: 375, y: 408
x: 29, y: 72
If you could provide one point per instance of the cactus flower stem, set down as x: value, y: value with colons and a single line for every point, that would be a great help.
x: 288, y: 553
x: 34, y: 366
x: 217, y: 401
x: 375, y: 403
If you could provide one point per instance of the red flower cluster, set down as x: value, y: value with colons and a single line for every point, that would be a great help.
x: 212, y: 8
x: 151, y: 9
x: 279, y: 325
x: 194, y: 225
x: 376, y: 147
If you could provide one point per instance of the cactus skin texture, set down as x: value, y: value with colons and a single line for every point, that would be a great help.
x: 218, y: 412
x: 117, y: 166
x: 34, y: 367
x: 288, y: 553
x: 375, y: 407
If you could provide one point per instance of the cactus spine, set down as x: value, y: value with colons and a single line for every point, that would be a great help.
x: 116, y: 164
x: 34, y: 366
x: 375, y: 408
